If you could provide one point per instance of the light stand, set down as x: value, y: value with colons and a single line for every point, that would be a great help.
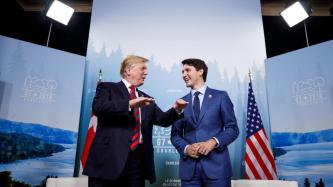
x: 297, y: 12
x: 48, y: 37
x: 306, y: 34
x: 60, y: 12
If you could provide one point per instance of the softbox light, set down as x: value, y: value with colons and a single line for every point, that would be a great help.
x: 60, y: 12
x: 294, y: 14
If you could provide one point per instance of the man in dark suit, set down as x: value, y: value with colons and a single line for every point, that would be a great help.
x: 122, y: 150
x: 203, y: 135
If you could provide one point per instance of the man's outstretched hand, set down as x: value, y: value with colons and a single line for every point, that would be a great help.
x: 179, y: 105
x: 141, y: 101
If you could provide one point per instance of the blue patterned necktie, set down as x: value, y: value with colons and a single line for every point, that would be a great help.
x: 196, y: 105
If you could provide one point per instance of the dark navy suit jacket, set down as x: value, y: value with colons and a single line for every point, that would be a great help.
x: 216, y: 119
x: 111, y: 145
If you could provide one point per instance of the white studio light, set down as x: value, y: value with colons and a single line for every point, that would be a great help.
x: 60, y: 12
x: 294, y: 14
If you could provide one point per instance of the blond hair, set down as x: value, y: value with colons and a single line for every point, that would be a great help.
x: 130, y: 60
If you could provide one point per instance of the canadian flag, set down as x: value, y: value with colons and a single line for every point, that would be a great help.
x: 91, y: 130
x: 90, y: 137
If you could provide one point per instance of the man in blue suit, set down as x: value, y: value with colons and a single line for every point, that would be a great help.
x: 121, y: 154
x: 203, y: 135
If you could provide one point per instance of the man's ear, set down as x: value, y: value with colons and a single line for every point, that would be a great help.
x: 127, y: 71
x: 201, y: 72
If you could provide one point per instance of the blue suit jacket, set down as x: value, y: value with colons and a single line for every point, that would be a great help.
x: 217, y: 119
x: 111, y: 145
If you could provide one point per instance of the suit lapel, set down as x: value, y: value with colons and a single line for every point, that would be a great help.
x: 208, y: 97
x: 123, y: 89
x: 189, y: 108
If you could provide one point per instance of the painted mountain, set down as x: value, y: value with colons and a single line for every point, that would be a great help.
x: 291, y: 138
x: 47, y: 134
x: 15, y: 146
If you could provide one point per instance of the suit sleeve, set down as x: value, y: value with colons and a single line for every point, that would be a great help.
x: 177, y: 137
x: 165, y: 119
x: 107, y: 103
x: 231, y: 130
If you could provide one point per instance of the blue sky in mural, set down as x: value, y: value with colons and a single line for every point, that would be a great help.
x: 44, y: 89
x: 300, y: 96
x: 171, y: 30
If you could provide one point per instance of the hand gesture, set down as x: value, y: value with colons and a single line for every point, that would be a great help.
x: 179, y: 105
x: 141, y: 101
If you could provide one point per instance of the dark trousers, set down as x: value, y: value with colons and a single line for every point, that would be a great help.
x: 132, y: 175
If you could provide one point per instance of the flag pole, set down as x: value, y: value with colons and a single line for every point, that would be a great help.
x: 100, y: 75
x: 250, y: 75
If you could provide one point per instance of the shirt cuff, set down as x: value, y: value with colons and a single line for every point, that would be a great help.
x: 185, y: 149
x: 217, y: 142
x: 179, y: 112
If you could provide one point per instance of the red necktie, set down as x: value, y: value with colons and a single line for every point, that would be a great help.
x: 136, y: 130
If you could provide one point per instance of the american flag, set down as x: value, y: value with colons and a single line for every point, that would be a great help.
x: 259, y: 160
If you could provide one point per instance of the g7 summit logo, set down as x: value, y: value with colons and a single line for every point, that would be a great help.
x: 309, y: 92
x: 37, y: 90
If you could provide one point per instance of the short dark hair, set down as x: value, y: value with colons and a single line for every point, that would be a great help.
x: 198, y: 64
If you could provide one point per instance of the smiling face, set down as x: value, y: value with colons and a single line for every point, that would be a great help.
x: 192, y: 77
x: 136, y: 73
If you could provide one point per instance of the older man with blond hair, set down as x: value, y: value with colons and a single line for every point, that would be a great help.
x: 122, y: 151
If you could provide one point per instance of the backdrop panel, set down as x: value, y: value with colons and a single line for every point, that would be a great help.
x: 40, y: 100
x: 300, y: 87
x: 227, y: 34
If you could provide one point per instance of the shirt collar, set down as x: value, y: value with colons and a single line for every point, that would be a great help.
x: 127, y: 84
x: 202, y: 90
